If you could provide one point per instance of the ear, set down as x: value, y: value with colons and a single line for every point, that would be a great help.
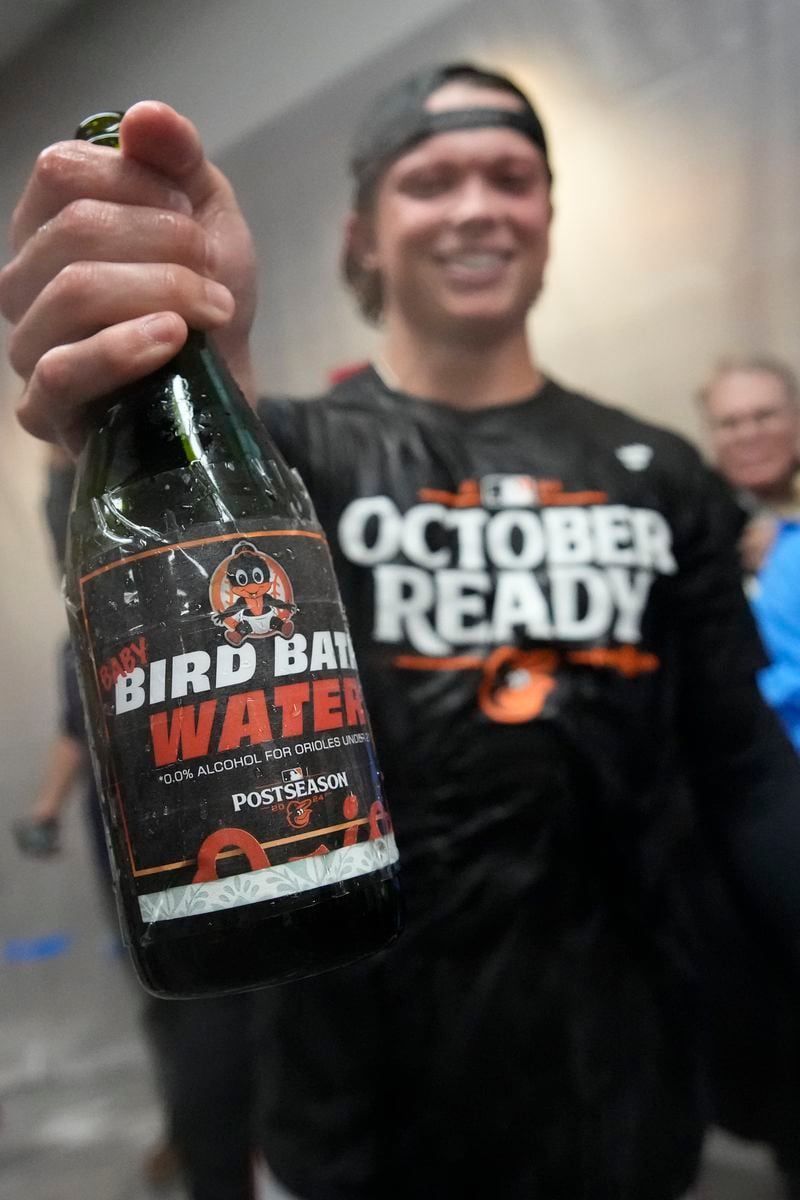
x: 359, y: 241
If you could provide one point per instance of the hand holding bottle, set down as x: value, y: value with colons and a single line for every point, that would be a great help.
x: 116, y: 255
x: 191, y: 541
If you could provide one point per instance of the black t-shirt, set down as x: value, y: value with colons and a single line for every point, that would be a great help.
x: 546, y: 605
x: 559, y: 664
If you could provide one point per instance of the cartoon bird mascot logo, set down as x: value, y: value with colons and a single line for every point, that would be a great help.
x: 251, y: 596
x: 516, y: 684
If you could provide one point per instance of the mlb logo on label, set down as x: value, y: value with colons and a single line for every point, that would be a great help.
x: 292, y: 774
x: 509, y: 491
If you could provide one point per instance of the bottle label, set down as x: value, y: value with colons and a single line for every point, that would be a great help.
x: 236, y: 753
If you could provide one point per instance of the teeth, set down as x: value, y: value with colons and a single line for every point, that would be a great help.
x: 476, y: 261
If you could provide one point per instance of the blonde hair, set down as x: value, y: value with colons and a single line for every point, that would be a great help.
x: 767, y: 363
x: 365, y: 283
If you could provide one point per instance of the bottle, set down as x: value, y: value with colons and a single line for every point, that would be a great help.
x: 249, y: 838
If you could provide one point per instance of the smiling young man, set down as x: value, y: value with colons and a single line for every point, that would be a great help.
x: 456, y: 230
x: 557, y: 657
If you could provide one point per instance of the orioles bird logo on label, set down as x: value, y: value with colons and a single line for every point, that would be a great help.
x: 251, y: 596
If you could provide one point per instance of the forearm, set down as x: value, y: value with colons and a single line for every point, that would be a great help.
x: 66, y: 762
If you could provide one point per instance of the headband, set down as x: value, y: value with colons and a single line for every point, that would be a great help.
x: 399, y: 120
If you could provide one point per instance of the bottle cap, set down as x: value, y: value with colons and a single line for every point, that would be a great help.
x: 102, y: 129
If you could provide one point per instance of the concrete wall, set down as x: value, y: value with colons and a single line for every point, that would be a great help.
x: 233, y: 67
x: 674, y: 133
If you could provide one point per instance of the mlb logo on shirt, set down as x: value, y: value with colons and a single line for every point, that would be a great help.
x: 292, y: 774
x: 509, y: 491
x: 636, y: 457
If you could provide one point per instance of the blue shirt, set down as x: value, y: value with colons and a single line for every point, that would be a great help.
x: 776, y: 605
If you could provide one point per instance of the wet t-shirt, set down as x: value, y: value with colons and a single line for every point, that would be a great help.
x: 547, y: 612
x: 559, y: 666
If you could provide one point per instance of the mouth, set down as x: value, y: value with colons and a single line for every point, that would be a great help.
x: 475, y: 260
x: 475, y: 268
x: 754, y: 458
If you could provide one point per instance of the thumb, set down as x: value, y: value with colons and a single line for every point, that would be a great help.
x: 157, y: 136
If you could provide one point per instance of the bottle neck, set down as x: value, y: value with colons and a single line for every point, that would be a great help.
x: 180, y: 449
x: 168, y: 421
x: 195, y: 354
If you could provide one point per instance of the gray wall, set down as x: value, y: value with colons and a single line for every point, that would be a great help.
x: 675, y: 132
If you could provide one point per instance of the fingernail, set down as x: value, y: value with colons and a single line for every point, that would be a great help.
x: 160, y: 327
x: 218, y: 296
x: 180, y: 202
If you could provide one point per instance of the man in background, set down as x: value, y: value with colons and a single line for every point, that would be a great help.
x: 751, y: 407
x: 751, y: 410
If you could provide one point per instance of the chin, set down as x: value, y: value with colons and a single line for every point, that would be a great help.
x: 485, y: 322
x: 756, y: 483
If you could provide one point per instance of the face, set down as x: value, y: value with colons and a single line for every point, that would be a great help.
x: 459, y: 227
x: 755, y: 429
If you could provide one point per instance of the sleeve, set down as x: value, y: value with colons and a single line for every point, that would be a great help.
x: 776, y: 605
x: 60, y: 478
x: 284, y: 421
x: 744, y: 771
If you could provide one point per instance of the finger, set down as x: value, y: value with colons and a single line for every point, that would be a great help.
x: 69, y: 171
x: 69, y: 379
x: 156, y: 135
x: 94, y: 230
x: 87, y: 297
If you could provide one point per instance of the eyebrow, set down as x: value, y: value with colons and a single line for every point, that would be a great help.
x: 445, y: 159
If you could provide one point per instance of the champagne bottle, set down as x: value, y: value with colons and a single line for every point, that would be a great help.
x: 249, y: 838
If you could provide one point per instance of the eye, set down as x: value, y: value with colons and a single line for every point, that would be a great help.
x: 517, y: 184
x: 424, y: 185
x: 519, y: 174
x: 514, y: 181
x: 258, y: 575
x: 241, y: 577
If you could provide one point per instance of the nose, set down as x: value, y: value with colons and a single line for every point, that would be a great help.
x: 475, y: 202
x: 746, y: 429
